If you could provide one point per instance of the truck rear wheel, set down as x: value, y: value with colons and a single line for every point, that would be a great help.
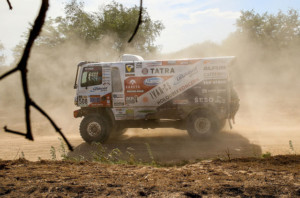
x: 201, y: 125
x: 94, y: 129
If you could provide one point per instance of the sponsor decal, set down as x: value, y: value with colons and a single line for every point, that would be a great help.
x: 214, y: 82
x: 118, y: 103
x: 129, y: 69
x: 135, y: 91
x: 215, y: 74
x: 162, y: 70
x: 93, y: 68
x: 129, y: 113
x: 120, y: 111
x: 115, y: 96
x: 175, y: 92
x: 131, y: 99
x: 154, y: 63
x: 95, y: 105
x: 132, y: 82
x: 145, y: 71
x: 132, y: 85
x: 145, y: 99
x: 181, y: 76
x: 218, y: 100
x: 160, y: 90
x: 204, y: 91
x: 220, y: 67
x: 154, y: 81
x: 100, y: 89
x: 206, y: 61
x: 120, y: 117
x: 203, y: 100
x: 106, y: 83
x: 181, y: 102
x: 147, y: 111
x: 172, y: 62
x: 82, y: 100
x: 184, y: 62
x: 95, y: 99
x: 138, y: 65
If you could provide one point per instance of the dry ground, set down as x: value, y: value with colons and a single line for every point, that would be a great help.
x: 246, y: 177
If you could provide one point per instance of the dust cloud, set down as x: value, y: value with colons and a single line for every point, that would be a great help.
x: 51, y: 79
x: 266, y: 80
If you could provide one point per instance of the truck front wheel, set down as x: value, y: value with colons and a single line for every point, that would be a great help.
x: 94, y: 129
x: 201, y: 125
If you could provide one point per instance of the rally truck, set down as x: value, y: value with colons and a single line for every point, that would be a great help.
x: 196, y: 95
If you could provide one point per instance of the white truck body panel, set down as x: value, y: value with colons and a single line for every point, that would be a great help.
x: 146, y: 86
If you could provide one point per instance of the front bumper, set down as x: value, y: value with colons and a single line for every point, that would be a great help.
x: 78, y: 113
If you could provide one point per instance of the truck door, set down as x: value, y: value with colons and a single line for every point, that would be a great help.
x: 117, y: 88
x: 94, y: 87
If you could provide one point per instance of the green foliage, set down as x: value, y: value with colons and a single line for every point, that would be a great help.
x: 113, y: 19
x: 131, y: 158
x: 112, y: 157
x: 292, y: 147
x: 150, y: 154
x: 275, y: 30
x: 63, y: 151
x: 115, y: 156
x: 22, y: 156
x: 53, y: 153
x: 266, y: 155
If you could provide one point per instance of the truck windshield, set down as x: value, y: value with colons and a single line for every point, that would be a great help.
x: 91, y: 76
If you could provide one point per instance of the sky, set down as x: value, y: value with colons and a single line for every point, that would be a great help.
x: 186, y: 22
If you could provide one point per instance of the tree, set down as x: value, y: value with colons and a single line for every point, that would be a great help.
x: 275, y: 30
x: 113, y: 19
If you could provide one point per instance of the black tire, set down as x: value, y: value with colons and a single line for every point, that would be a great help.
x: 202, y: 124
x: 94, y: 129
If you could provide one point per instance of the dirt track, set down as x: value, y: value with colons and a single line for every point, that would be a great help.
x: 263, y: 124
x: 173, y: 145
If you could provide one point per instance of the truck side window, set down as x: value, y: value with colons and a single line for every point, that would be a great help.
x: 116, y: 80
x: 91, y: 76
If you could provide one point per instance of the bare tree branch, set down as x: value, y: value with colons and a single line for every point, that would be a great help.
x: 15, y: 132
x: 9, y: 5
x: 58, y: 130
x: 22, y: 67
x: 139, y: 22
x: 8, y: 73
